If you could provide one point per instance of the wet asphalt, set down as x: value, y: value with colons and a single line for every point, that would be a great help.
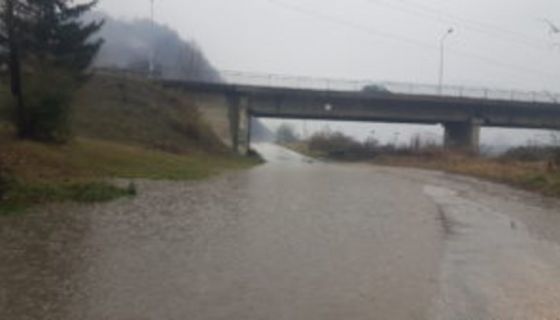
x: 292, y: 239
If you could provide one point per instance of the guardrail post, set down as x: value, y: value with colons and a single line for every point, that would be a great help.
x: 534, y: 95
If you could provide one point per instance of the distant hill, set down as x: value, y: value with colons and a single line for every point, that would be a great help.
x: 129, y: 45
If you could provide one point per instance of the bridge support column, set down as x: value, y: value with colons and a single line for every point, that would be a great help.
x: 462, y: 135
x: 239, y: 123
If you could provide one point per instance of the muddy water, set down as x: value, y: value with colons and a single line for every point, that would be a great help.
x: 294, y: 239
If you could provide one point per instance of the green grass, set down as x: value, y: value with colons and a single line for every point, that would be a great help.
x: 548, y: 184
x: 38, y: 173
x: 20, y: 196
x: 124, y: 128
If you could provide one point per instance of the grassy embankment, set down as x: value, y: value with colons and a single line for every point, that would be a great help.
x: 532, y: 175
x: 125, y: 128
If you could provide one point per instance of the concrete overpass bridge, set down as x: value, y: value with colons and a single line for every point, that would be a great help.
x: 461, y: 110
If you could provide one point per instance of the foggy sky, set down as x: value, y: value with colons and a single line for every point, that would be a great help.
x: 496, y: 43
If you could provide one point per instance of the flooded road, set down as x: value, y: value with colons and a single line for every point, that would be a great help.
x: 293, y: 239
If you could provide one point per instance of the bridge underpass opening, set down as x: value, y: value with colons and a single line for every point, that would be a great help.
x: 461, y: 116
x: 385, y: 133
x: 493, y: 141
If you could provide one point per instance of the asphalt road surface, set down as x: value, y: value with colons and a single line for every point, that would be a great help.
x: 293, y: 239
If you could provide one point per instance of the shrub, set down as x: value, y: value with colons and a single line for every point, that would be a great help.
x: 93, y: 192
x: 548, y: 154
x: 529, y: 153
x: 48, y: 96
x: 6, y: 183
x: 286, y: 134
x: 24, y: 195
x: 340, y: 146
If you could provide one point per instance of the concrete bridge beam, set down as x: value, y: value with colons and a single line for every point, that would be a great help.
x: 462, y: 135
x: 455, y: 113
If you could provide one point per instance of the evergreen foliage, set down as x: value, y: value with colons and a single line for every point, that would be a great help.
x: 48, y: 50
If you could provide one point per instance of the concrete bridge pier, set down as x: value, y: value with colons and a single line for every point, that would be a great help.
x: 239, y: 123
x: 462, y: 135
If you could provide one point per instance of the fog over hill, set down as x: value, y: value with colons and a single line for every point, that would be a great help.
x: 130, y: 43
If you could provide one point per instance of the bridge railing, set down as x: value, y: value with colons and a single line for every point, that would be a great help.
x: 296, y: 82
x: 329, y: 84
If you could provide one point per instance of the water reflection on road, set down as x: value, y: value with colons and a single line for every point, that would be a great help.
x: 293, y: 239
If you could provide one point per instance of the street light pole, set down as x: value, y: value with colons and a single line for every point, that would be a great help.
x: 442, y: 58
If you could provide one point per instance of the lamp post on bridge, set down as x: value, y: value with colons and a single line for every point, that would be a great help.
x: 442, y: 58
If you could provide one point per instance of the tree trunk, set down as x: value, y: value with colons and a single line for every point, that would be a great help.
x: 15, y: 68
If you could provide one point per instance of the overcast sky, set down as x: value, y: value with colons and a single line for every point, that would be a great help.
x: 496, y: 43
x: 501, y: 43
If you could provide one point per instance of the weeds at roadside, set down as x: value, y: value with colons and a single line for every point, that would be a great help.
x: 17, y: 197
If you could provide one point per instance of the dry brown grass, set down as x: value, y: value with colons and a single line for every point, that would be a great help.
x: 34, y: 173
x: 137, y: 111
x: 533, y: 176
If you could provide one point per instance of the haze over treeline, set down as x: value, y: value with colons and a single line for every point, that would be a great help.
x: 129, y: 45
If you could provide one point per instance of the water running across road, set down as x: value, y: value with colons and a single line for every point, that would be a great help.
x: 293, y: 239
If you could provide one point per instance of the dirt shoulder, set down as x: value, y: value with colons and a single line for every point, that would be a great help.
x: 532, y: 176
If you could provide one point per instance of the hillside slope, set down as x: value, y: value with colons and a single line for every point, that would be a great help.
x: 137, y: 111
x: 124, y: 128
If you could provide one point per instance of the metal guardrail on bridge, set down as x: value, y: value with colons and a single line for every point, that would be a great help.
x: 330, y: 84
x: 287, y: 81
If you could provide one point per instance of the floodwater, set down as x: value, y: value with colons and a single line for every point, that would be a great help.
x: 293, y: 239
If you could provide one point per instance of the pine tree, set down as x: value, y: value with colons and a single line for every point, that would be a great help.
x: 49, y: 49
x: 11, y: 30
x: 59, y: 36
